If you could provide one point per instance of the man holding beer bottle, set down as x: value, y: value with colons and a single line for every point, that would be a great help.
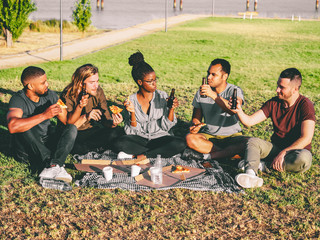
x: 219, y: 136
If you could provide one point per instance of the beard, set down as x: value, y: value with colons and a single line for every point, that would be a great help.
x: 44, y: 94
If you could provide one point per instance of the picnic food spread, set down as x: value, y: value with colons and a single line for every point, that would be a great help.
x: 181, y: 169
x: 61, y: 103
x: 115, y: 110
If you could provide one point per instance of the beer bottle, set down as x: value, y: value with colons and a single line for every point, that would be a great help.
x: 170, y: 99
x: 83, y: 92
x: 234, y: 99
x: 204, y: 81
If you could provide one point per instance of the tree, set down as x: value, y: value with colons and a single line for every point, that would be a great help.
x: 14, y: 18
x: 81, y: 15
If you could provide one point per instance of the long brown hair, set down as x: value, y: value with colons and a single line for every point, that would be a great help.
x: 78, y: 77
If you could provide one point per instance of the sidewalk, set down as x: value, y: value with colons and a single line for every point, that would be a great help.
x: 91, y: 44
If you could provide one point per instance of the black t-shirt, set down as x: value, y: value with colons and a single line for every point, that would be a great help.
x: 30, y: 108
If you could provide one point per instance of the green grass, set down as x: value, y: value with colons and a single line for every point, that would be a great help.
x: 287, y: 206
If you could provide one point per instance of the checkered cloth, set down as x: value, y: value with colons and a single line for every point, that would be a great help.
x: 214, y: 179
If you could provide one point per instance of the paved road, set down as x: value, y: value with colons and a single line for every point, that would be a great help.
x: 119, y: 14
x: 87, y: 45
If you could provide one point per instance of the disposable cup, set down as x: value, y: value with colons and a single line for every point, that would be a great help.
x: 156, y: 175
x: 107, y: 173
x: 135, y: 170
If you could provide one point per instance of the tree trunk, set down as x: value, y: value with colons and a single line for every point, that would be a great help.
x: 8, y: 37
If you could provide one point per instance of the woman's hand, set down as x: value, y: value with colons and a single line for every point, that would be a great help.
x: 129, y: 105
x: 175, y: 103
x: 117, y: 119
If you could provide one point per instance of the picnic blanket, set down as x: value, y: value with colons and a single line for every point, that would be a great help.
x: 213, y: 179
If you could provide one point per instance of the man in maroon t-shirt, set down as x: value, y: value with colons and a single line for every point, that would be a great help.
x: 293, y: 118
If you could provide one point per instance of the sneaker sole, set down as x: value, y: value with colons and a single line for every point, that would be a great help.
x: 248, y: 181
x: 68, y: 180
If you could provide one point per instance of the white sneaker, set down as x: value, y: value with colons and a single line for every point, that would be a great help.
x: 63, y: 175
x: 123, y: 155
x: 262, y: 166
x: 248, y: 181
x: 50, y: 172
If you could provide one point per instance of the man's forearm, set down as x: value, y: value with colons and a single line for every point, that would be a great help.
x: 19, y: 125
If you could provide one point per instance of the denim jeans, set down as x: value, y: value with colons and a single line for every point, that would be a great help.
x: 297, y: 160
x: 166, y: 146
x: 96, y: 137
x: 42, y: 151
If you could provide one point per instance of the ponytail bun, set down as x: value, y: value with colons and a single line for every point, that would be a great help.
x: 135, y: 59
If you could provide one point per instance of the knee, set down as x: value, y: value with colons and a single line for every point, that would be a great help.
x: 304, y: 158
x: 191, y: 140
x: 120, y: 142
x: 298, y: 161
x: 72, y: 131
x: 254, y: 144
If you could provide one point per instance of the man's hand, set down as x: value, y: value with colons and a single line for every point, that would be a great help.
x: 117, y: 119
x: 278, y: 161
x: 207, y: 90
x: 95, y: 114
x: 52, y: 111
x: 238, y: 106
x: 195, y: 128
x: 84, y: 101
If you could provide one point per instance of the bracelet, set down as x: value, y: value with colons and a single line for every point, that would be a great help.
x: 133, y: 121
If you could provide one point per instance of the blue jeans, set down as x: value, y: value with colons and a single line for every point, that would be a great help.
x: 297, y: 160
x: 43, y: 151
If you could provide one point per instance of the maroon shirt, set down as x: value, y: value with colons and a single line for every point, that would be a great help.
x: 287, y: 121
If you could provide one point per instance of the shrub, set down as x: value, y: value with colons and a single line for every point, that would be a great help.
x: 14, y: 18
x: 82, y: 14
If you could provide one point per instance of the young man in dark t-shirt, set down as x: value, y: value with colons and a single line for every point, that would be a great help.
x: 293, y: 118
x: 35, y: 141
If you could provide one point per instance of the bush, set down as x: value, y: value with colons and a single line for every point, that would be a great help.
x: 14, y: 17
x: 51, y: 25
x: 82, y: 14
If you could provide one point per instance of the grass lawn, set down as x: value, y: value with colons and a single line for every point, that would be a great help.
x: 286, y: 207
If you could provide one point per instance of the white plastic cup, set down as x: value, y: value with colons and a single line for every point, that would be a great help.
x: 135, y: 170
x: 107, y: 173
x: 156, y: 175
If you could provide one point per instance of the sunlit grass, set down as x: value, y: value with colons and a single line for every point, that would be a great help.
x: 286, y: 207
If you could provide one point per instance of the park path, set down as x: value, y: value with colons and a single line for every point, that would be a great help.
x: 91, y: 44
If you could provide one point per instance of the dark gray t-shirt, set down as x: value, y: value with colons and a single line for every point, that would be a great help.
x: 30, y: 108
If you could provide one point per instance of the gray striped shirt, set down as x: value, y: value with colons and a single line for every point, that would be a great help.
x: 154, y: 125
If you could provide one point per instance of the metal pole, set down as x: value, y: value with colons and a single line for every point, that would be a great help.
x: 166, y: 15
x: 213, y: 7
x: 61, y: 38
